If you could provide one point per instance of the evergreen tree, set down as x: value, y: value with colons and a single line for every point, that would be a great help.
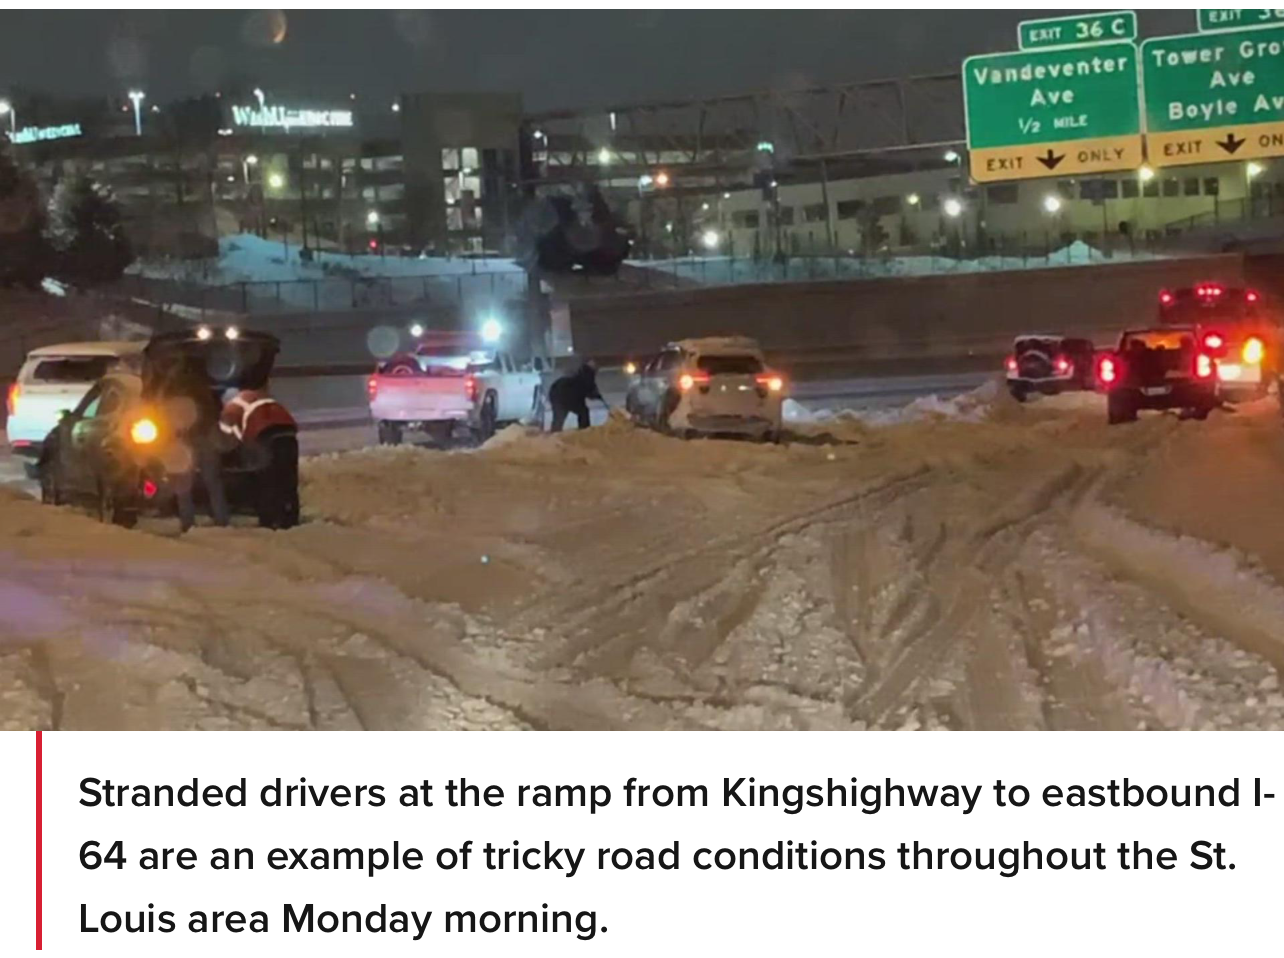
x: 86, y: 233
x: 24, y: 253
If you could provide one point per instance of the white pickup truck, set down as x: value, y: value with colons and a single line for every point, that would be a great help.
x: 441, y: 388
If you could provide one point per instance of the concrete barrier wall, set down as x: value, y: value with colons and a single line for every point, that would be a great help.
x: 930, y: 318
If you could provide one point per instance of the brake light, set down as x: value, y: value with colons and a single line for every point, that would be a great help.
x: 1209, y: 289
x: 1251, y: 295
x: 1214, y: 341
x: 11, y: 401
x: 1165, y: 298
x: 150, y: 489
x: 144, y: 432
x: 688, y: 382
x: 1254, y: 351
x: 1011, y: 364
x: 1062, y: 365
x: 470, y: 388
x: 773, y: 383
x: 1108, y: 370
x: 1203, y: 366
x: 372, y: 387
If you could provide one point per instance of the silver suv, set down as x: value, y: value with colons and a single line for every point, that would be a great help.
x: 718, y: 385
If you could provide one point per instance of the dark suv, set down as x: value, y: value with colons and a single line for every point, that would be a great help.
x: 1163, y: 368
x: 1049, y: 365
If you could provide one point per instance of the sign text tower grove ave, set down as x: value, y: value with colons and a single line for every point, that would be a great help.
x: 1213, y: 97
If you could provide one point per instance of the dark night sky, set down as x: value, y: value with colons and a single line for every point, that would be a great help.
x: 557, y: 59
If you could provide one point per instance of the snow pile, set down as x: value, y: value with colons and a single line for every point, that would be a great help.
x: 1217, y: 584
x: 975, y: 405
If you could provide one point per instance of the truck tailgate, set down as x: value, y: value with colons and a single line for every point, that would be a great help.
x: 423, y: 398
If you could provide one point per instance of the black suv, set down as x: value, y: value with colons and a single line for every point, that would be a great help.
x: 1163, y: 368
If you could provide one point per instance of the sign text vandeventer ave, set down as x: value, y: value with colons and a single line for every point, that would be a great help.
x: 1053, y: 112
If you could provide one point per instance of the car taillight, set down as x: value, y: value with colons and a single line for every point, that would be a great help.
x: 1209, y: 290
x: 1011, y: 364
x: 773, y: 383
x: 1203, y: 366
x: 1062, y: 365
x: 1108, y: 370
x: 1165, y: 298
x: 372, y: 387
x: 11, y: 401
x: 1214, y: 341
x: 688, y: 382
x: 1254, y: 351
x: 1251, y: 295
x: 150, y: 489
x: 470, y: 388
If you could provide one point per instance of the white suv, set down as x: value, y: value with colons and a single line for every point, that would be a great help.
x: 53, y: 380
x: 718, y: 385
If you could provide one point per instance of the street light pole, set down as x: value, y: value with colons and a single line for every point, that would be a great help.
x: 138, y: 96
x: 7, y: 107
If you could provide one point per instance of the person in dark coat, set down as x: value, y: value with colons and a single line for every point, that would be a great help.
x: 571, y: 394
x: 192, y: 406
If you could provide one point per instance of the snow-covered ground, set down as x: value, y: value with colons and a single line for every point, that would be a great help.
x: 967, y: 562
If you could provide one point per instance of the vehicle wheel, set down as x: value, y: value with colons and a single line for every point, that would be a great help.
x: 112, y: 509
x: 1200, y: 412
x: 1120, y: 409
x: 50, y: 485
x: 488, y: 415
x: 1019, y: 393
x: 389, y: 433
x: 666, y: 409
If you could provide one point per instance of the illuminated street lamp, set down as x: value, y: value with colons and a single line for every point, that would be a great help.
x: 246, y: 163
x: 138, y: 96
x: 7, y: 107
x: 1052, y: 204
x: 372, y: 218
x: 951, y: 156
x: 662, y: 179
x: 710, y: 239
x: 912, y: 199
x: 1145, y: 174
x: 1254, y: 170
x: 603, y: 156
x: 276, y: 181
x: 952, y: 207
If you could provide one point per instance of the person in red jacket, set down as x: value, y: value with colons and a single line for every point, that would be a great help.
x: 268, y: 439
x: 250, y: 413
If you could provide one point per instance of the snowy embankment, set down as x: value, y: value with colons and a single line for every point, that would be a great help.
x: 725, y: 269
x: 246, y: 258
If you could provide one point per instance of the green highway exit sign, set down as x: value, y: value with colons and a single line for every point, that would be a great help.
x: 1060, y: 111
x: 1210, y: 20
x: 1071, y: 31
x: 1213, y: 97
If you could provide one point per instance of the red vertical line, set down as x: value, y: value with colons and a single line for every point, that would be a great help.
x: 39, y: 840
